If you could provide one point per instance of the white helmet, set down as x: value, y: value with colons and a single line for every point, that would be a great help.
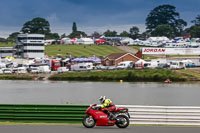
x: 102, y: 99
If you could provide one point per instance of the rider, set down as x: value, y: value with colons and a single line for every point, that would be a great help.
x: 107, y: 106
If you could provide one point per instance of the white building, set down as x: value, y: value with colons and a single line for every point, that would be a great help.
x: 30, y: 46
x: 7, y: 51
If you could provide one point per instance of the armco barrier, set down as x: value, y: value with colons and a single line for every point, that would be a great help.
x: 164, y: 115
x: 42, y: 113
x: 154, y: 115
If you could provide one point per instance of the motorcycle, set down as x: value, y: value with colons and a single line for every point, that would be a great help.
x: 96, y: 116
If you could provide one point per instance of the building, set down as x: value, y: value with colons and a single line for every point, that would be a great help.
x: 7, y: 52
x: 115, y: 58
x: 30, y: 46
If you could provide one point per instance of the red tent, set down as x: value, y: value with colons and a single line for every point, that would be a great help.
x: 100, y: 41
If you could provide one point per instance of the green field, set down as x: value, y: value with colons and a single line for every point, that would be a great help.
x: 81, y: 50
x: 6, y: 44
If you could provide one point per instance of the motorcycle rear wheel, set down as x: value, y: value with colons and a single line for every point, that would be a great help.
x: 123, y: 121
x: 88, y: 123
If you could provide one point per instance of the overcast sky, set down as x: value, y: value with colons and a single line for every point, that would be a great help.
x: 89, y: 15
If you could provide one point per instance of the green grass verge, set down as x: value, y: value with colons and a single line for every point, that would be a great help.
x: 148, y: 75
x: 81, y: 50
x: 190, y: 73
x: 9, y: 44
x: 17, y: 76
x: 136, y: 47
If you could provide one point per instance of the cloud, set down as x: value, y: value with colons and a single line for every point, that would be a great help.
x: 88, y: 14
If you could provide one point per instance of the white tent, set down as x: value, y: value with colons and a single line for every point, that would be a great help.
x: 127, y: 40
x: 66, y: 41
x: 158, y: 39
x: 84, y: 41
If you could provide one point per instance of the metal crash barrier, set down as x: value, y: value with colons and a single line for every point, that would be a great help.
x: 164, y: 115
x: 153, y: 115
x: 42, y: 113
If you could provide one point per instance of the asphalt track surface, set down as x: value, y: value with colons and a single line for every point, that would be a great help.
x: 81, y: 129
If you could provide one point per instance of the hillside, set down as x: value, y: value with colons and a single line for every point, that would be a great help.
x: 81, y: 50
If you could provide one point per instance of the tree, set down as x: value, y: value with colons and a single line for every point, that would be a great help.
x: 134, y: 32
x: 144, y: 35
x: 96, y: 34
x: 109, y: 33
x: 194, y: 29
x: 3, y: 40
x: 197, y: 20
x: 13, y: 37
x: 36, y: 25
x: 165, y: 14
x: 163, y: 30
x: 63, y: 36
x: 52, y: 36
x: 74, y: 28
x: 124, y: 34
x: 77, y: 34
x: 195, y: 32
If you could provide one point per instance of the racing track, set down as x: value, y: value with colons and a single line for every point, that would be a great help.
x: 81, y: 129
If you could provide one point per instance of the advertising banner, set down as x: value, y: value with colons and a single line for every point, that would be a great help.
x: 171, y: 51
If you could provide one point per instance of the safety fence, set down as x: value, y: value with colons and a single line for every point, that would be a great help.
x: 164, y: 115
x: 42, y: 113
x: 154, y: 115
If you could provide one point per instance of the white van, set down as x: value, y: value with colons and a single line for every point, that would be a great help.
x: 125, y: 65
x: 21, y: 70
x: 177, y: 65
x: 44, y: 69
x: 2, y: 65
x: 34, y: 70
x: 151, y: 65
x: 82, y: 67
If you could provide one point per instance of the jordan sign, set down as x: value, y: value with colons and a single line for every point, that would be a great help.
x: 171, y: 51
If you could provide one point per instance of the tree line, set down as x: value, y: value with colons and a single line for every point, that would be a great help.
x: 163, y: 20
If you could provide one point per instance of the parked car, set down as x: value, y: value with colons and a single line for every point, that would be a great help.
x: 125, y: 65
x: 62, y: 69
x: 101, y: 67
x: 190, y: 65
x: 177, y: 65
x: 1, y: 71
x: 82, y: 67
x: 7, y: 70
x: 21, y: 70
x: 111, y: 67
x: 162, y: 65
x: 34, y: 70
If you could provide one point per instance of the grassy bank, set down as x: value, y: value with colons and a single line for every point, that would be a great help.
x: 192, y: 74
x: 17, y: 76
x: 126, y: 75
x: 9, y: 44
x: 81, y: 50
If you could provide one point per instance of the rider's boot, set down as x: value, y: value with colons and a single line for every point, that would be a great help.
x: 111, y: 116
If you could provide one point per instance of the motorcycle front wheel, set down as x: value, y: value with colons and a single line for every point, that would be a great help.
x: 122, y: 121
x: 88, y: 122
